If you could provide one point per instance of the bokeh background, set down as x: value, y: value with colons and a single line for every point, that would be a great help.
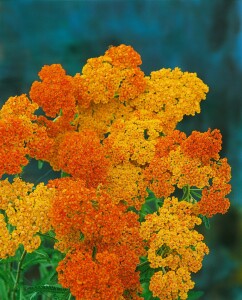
x: 202, y: 36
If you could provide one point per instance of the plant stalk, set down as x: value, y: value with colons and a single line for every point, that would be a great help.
x: 18, y: 274
x: 70, y: 295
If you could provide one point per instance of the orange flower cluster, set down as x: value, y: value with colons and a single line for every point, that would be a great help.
x: 214, y: 199
x: 111, y: 129
x: 26, y: 214
x: 205, y: 146
x: 97, y: 279
x: 101, y: 240
x: 55, y: 92
x: 175, y: 247
x: 82, y: 155
x: 192, y: 161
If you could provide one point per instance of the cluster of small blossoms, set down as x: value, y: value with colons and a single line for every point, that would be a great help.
x: 112, y: 130
x: 55, y: 92
x: 25, y: 210
x: 191, y: 161
x: 101, y: 240
x: 21, y: 135
x: 16, y: 129
x: 168, y: 91
x: 127, y: 111
x: 174, y: 247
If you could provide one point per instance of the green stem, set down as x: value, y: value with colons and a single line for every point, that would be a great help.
x: 94, y: 253
x: 188, y: 193
x: 8, y: 268
x: 142, y: 264
x: 18, y: 274
x: 69, y: 298
x: 43, y: 176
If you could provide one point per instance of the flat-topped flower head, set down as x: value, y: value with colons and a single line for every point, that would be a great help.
x: 55, y: 93
x: 15, y: 132
x: 124, y: 56
x: 26, y: 211
x: 81, y: 211
x: 175, y: 247
x: 112, y: 77
x: 19, y: 106
x: 82, y: 155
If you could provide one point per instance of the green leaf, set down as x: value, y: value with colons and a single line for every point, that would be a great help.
x: 37, y: 257
x: 196, y: 194
x: 57, y: 293
x: 48, y: 235
x: 43, y: 289
x: 147, y: 294
x: 143, y: 265
x: 76, y: 116
x: 33, y: 296
x: 205, y: 221
x: 49, y: 278
x: 64, y: 296
x: 186, y: 192
x: 194, y: 295
x: 8, y: 260
x: 43, y: 254
x: 40, y: 164
x: 151, y: 205
x: 150, y: 199
x: 3, y: 290
x: 146, y: 274
x: 7, y: 277
x: 33, y: 261
x: 64, y: 174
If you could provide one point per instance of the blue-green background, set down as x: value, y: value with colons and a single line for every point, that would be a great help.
x: 202, y: 36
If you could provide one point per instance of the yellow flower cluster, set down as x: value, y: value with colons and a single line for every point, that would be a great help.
x: 175, y: 247
x: 19, y: 106
x: 26, y: 211
x: 168, y: 91
x: 21, y: 135
x: 169, y: 285
x: 16, y: 129
x: 116, y: 74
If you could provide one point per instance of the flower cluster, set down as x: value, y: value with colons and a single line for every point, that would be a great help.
x: 55, y: 92
x: 174, y: 247
x: 179, y: 161
x: 25, y: 210
x: 101, y: 240
x: 171, y: 90
x: 112, y: 131
x: 16, y: 129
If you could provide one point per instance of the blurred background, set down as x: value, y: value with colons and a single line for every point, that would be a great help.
x: 201, y: 36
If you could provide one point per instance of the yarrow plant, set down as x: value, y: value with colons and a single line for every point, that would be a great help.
x: 120, y: 219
